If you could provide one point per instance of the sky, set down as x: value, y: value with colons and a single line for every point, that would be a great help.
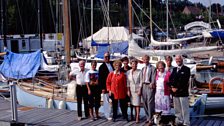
x: 206, y: 2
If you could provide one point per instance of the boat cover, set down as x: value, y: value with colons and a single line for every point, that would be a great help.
x: 20, y: 66
x: 121, y: 48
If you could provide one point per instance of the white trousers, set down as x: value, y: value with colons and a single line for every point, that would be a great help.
x: 106, y: 105
x: 181, y: 107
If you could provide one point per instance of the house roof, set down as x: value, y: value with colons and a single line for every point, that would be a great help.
x: 191, y: 10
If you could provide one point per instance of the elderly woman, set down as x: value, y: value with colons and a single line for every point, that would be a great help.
x: 133, y: 84
x: 162, y: 101
x: 117, y: 88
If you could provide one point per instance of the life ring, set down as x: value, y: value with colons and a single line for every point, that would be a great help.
x: 211, y: 84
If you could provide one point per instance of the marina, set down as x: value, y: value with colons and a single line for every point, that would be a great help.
x: 47, y: 49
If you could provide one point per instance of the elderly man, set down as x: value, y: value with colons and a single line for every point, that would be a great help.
x: 81, y: 89
x: 104, y: 70
x: 148, y: 88
x: 179, y: 82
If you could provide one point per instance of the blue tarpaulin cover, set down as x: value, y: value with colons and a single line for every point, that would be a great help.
x: 101, y: 51
x: 20, y: 66
x: 119, y: 47
x: 94, y: 43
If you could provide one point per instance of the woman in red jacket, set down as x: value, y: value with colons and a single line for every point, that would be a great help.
x: 117, y: 88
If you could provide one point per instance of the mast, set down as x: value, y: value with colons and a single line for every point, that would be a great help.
x: 56, y: 24
x: 39, y: 2
x: 66, y: 30
x: 108, y: 19
x: 167, y: 20
x: 210, y: 11
x: 91, y: 19
x: 130, y: 17
x: 3, y: 22
x: 150, y: 11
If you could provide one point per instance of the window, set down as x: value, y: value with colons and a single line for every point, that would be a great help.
x: 23, y: 44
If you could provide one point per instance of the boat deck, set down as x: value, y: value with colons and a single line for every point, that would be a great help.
x: 55, y: 117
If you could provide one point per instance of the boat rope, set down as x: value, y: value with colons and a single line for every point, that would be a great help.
x: 213, y: 25
x: 148, y: 16
x: 147, y: 38
x: 20, y: 18
x: 52, y: 14
x: 175, y: 31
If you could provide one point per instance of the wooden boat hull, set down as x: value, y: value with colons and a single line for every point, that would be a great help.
x: 220, y: 63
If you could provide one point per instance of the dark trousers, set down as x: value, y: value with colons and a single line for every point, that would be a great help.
x: 82, y: 94
x: 94, y: 97
x: 123, y: 106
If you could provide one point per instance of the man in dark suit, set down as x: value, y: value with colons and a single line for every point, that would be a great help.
x: 179, y: 82
x: 104, y: 70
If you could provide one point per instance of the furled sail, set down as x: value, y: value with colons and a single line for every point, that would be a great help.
x: 135, y: 50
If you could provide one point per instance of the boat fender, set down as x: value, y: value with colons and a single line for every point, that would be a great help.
x: 50, y: 103
x: 61, y: 105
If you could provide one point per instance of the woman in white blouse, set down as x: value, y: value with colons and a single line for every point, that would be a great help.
x: 133, y: 84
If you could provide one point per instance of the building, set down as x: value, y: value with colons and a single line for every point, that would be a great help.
x: 191, y: 10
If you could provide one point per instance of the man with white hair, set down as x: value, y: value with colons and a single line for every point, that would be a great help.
x: 179, y: 82
x: 81, y: 89
x: 105, y: 68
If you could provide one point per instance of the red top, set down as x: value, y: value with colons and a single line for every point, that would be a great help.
x: 117, y: 84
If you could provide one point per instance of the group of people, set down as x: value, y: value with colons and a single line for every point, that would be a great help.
x: 156, y: 86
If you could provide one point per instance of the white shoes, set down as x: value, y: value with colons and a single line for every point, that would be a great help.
x: 109, y: 118
x: 79, y: 118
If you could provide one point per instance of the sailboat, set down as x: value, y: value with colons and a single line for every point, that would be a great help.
x: 168, y: 40
x: 136, y: 51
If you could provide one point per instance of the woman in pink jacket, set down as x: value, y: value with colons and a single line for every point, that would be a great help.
x: 162, y: 97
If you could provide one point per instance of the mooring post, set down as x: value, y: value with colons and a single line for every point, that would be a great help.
x: 13, y: 101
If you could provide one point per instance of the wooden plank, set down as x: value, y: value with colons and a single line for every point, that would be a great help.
x: 82, y: 122
x: 60, y: 120
x: 5, y: 114
x: 97, y: 122
x: 107, y: 123
x: 120, y: 123
x: 142, y: 121
x: 222, y: 124
x: 197, y: 123
x: 210, y: 123
x: 204, y: 123
x: 46, y: 115
x: 193, y: 121
x: 217, y: 123
x: 129, y: 123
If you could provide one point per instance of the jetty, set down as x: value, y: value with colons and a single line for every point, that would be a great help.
x: 56, y: 117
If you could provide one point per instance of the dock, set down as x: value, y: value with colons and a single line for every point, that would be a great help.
x: 28, y: 116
